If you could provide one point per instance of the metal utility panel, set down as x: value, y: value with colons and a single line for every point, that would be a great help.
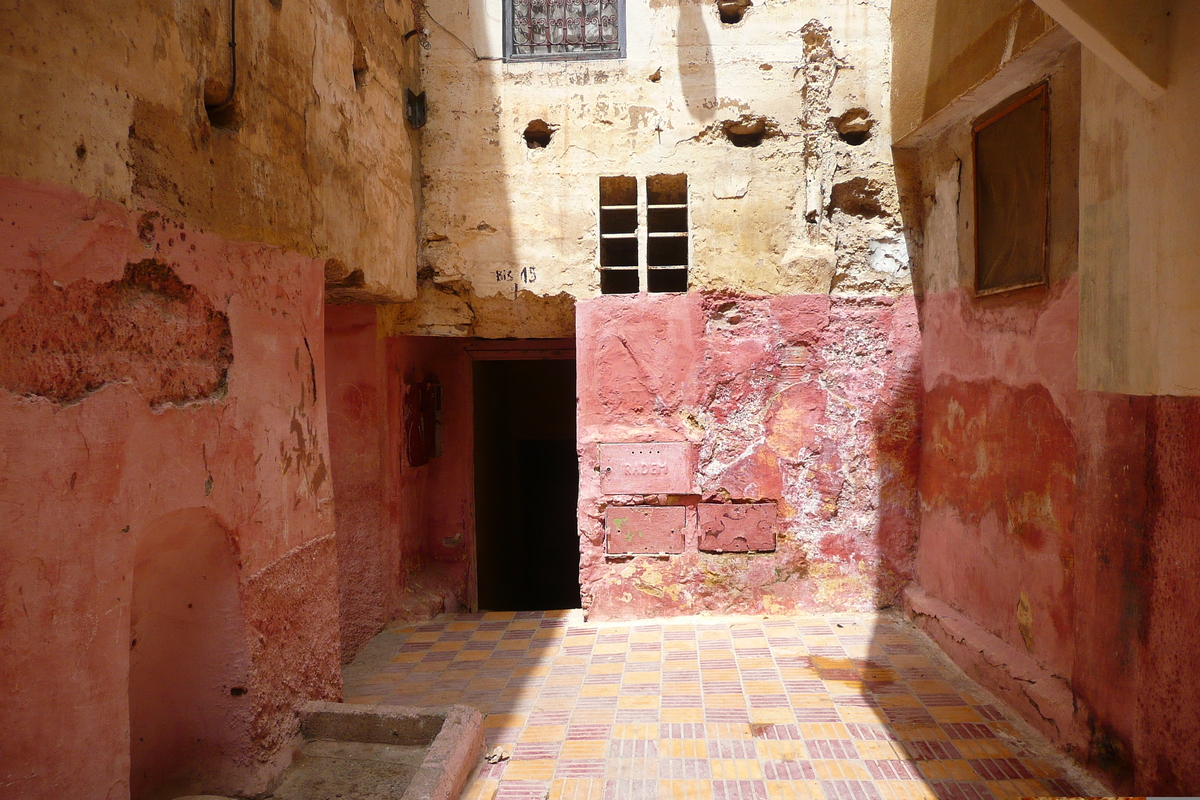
x: 646, y: 468
x: 643, y: 529
x: 737, y: 528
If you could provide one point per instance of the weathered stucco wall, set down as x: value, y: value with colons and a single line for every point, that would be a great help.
x: 201, y: 399
x: 314, y: 157
x: 509, y: 233
x: 809, y: 402
x: 1051, y: 530
x: 395, y: 519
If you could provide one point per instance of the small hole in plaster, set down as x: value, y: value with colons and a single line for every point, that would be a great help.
x: 747, y: 131
x: 854, y: 127
x: 655, y: 76
x: 238, y: 691
x: 361, y: 69
x: 225, y: 116
x: 81, y: 151
x: 732, y: 11
x: 538, y: 134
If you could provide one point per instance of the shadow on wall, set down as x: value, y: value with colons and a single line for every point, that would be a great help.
x: 189, y: 716
x: 697, y: 73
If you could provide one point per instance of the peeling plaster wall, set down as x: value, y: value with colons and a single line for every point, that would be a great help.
x: 1052, y: 527
x: 827, y: 429
x: 86, y: 476
x: 109, y: 100
x: 509, y: 233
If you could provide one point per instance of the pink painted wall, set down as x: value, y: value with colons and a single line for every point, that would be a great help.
x: 443, y: 490
x: 83, y: 481
x: 1082, y: 503
x: 372, y: 555
x: 395, y: 520
x: 831, y: 437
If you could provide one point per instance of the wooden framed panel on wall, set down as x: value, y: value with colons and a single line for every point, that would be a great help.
x: 1011, y: 153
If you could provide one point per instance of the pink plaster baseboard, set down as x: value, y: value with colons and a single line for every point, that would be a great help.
x: 1043, y: 699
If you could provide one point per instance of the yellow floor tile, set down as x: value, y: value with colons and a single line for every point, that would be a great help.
x: 669, y: 715
x: 917, y: 731
x: 504, y: 720
x: 584, y: 748
x: 684, y: 790
x: 871, y: 716
x: 605, y: 669
x: 794, y: 790
x: 497, y: 616
x: 523, y: 625
x: 576, y: 789
x: 536, y: 770
x: 680, y: 687
x: 874, y: 750
x: 1010, y: 790
x: 627, y: 700
x: 543, y: 733
x: 602, y: 690
x: 780, y: 750
x: 724, y: 701
x: 824, y: 730
x: 829, y: 769
x: 683, y: 748
x: 905, y: 790
x: 771, y: 716
x: 956, y: 770
x: 955, y: 714
x: 983, y: 748
x: 735, y: 769
x: 728, y: 730
x: 636, y: 730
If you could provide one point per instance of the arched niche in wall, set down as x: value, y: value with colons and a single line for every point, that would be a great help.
x: 189, y: 710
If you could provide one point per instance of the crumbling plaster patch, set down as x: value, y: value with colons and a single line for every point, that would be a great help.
x: 811, y: 402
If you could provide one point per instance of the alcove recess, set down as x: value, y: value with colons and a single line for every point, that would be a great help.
x: 666, y: 233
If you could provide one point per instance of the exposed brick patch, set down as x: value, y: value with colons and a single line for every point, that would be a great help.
x: 149, y: 329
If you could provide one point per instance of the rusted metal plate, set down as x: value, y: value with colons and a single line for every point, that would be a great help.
x: 737, y: 528
x: 643, y: 529
x: 646, y: 468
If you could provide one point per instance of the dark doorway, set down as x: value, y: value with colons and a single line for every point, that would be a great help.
x: 526, y: 485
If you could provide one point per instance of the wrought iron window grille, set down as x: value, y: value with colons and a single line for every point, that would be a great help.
x: 563, y: 30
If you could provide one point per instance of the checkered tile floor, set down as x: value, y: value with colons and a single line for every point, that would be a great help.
x: 840, y: 708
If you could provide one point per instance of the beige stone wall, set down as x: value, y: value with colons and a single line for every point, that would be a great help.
x: 108, y: 98
x: 509, y: 233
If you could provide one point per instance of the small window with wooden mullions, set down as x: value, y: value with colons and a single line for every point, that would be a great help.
x: 619, y: 235
x: 1012, y: 190
x: 664, y: 245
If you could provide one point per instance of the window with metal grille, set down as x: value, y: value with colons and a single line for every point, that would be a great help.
x: 664, y: 267
x: 666, y: 233
x: 548, y: 30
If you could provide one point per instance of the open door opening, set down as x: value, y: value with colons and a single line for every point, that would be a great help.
x: 526, y: 485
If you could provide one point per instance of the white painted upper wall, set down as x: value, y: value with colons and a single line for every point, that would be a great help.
x: 1139, y: 244
x: 763, y: 218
